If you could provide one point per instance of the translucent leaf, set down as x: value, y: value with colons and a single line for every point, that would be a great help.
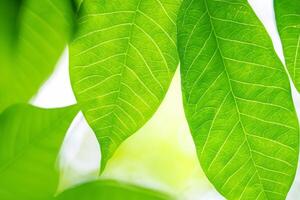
x: 237, y: 100
x: 30, y: 141
x: 36, y: 41
x: 288, y: 23
x: 122, y: 61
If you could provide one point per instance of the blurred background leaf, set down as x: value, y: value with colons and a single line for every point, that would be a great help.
x: 30, y: 141
x: 122, y: 61
x: 288, y: 24
x: 77, y: 4
x: 8, y: 25
x: 35, y: 34
x: 110, y: 190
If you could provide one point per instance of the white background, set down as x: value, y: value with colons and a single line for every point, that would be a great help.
x: 80, y: 154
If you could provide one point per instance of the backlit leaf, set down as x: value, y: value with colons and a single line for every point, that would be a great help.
x: 122, y: 61
x: 8, y: 24
x: 30, y: 140
x: 237, y: 100
x: 41, y: 33
x: 288, y: 23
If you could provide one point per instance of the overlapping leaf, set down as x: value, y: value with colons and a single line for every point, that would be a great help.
x: 112, y: 190
x: 35, y: 42
x: 237, y: 100
x: 122, y: 61
x: 288, y: 23
x: 30, y: 140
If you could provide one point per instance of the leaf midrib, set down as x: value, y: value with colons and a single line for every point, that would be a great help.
x: 132, y: 24
x: 234, y: 97
x: 117, y: 99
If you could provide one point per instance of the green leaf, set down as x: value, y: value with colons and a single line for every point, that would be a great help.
x: 30, y: 140
x: 122, y: 61
x: 112, y: 190
x: 288, y: 23
x: 237, y: 100
x: 41, y: 35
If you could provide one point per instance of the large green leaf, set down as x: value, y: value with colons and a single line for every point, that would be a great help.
x: 30, y: 140
x: 237, y: 100
x: 288, y: 23
x: 112, y: 190
x: 43, y: 28
x: 122, y: 61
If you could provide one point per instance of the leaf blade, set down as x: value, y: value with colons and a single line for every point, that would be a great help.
x: 30, y: 142
x: 122, y: 67
x: 237, y: 99
x: 42, y: 31
x: 288, y: 24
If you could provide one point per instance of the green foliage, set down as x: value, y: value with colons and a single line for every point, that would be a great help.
x: 288, y: 23
x: 122, y: 61
x: 35, y: 35
x: 112, y: 190
x: 236, y: 92
x: 30, y: 141
x: 237, y: 100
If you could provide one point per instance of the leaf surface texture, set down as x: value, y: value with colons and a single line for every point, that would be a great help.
x: 288, y: 23
x: 122, y: 59
x: 237, y: 100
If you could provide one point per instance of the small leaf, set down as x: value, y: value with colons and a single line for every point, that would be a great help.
x: 112, y: 190
x: 41, y: 35
x: 288, y: 23
x: 237, y: 100
x: 30, y: 140
x: 122, y: 61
